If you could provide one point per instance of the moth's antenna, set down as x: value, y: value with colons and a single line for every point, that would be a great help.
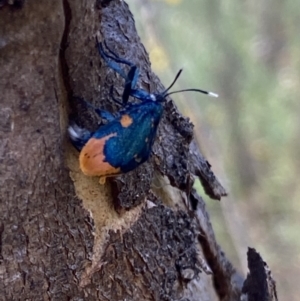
x: 174, y: 81
x: 165, y: 94
x: 212, y: 94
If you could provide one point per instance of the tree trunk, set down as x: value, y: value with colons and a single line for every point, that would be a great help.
x: 142, y: 236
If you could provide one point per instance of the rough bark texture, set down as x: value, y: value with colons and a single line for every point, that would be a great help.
x: 259, y: 284
x: 143, y: 236
x: 46, y: 235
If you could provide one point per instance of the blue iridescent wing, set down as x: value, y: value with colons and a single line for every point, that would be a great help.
x: 133, y: 142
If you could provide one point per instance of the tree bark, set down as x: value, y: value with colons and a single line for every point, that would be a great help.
x: 143, y: 236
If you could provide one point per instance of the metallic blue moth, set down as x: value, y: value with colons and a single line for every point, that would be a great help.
x: 126, y: 140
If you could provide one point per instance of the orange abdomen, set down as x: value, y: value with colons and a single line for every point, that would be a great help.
x: 92, y: 158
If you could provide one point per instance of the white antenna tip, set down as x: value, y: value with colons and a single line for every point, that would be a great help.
x: 213, y: 94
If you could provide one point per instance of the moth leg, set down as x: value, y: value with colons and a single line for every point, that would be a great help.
x: 133, y: 74
x: 113, y: 56
x: 130, y: 83
x: 105, y: 115
x: 111, y: 60
x: 102, y: 113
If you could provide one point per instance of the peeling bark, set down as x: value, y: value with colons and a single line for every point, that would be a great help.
x: 259, y: 284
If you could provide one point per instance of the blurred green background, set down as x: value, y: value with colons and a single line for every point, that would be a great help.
x: 249, y: 53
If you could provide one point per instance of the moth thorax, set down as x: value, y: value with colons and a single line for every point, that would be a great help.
x: 153, y: 97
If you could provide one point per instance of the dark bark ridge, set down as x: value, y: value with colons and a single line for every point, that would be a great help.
x: 45, y: 234
x: 259, y: 284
